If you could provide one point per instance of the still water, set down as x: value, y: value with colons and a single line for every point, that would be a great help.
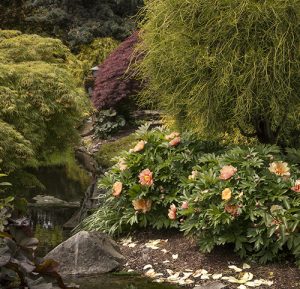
x: 48, y: 227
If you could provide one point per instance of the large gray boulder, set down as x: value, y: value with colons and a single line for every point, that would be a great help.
x: 87, y: 253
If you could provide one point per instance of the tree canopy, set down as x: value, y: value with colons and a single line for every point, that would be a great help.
x: 218, y: 65
x: 41, y: 101
x: 76, y: 22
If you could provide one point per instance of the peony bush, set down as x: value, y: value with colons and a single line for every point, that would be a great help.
x: 246, y: 196
x: 142, y: 188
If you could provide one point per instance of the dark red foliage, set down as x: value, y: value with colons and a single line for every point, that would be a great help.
x: 115, y: 82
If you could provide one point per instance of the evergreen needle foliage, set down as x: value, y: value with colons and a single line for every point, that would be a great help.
x: 219, y: 64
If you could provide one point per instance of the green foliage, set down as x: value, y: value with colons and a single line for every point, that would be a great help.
x: 149, y: 175
x: 241, y: 69
x: 255, y: 207
x: 41, y: 101
x: 108, y: 122
x: 95, y: 53
x: 74, y: 22
x: 111, y: 149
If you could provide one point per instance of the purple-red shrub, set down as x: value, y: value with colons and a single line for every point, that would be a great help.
x: 115, y: 80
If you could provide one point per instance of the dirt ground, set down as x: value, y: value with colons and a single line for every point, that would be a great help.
x: 285, y: 275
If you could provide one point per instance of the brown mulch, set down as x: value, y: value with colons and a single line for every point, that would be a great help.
x: 285, y: 275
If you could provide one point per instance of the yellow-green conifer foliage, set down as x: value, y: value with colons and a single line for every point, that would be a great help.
x: 41, y: 100
x: 219, y: 64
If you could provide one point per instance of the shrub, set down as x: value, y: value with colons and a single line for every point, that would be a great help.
x: 74, y: 22
x: 95, y: 53
x: 115, y: 81
x: 248, y: 197
x: 41, y: 101
x: 241, y: 69
x: 144, y: 183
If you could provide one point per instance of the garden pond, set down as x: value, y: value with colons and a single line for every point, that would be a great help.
x: 47, y: 222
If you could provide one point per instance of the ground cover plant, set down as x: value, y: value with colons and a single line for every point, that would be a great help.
x: 246, y: 196
x: 241, y: 69
x: 144, y: 183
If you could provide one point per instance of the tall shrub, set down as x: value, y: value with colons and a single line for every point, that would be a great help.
x: 41, y: 101
x: 218, y: 64
x: 115, y: 81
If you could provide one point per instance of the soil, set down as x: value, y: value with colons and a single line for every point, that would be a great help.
x: 285, y: 275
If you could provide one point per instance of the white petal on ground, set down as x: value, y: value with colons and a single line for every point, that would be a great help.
x: 199, y: 272
x: 166, y: 261
x: 216, y: 276
x: 174, y: 277
x: 267, y: 282
x: 188, y: 270
x: 164, y: 251
x: 242, y: 287
x: 246, y: 266
x: 147, y: 267
x: 132, y: 245
x: 186, y: 275
x: 150, y: 273
x: 205, y: 277
x: 235, y: 268
x: 130, y: 270
x: 169, y: 271
x: 247, y: 276
x: 175, y: 256
x: 185, y: 281
x: 159, y: 280
x: 254, y: 283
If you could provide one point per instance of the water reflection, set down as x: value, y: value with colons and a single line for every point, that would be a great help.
x: 111, y: 281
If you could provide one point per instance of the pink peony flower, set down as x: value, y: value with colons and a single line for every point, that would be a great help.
x: 146, y: 178
x: 185, y: 205
x: 117, y: 189
x: 296, y: 187
x: 175, y: 141
x: 143, y: 205
x: 227, y: 172
x: 280, y: 169
x: 139, y: 146
x: 172, y: 212
x: 172, y: 135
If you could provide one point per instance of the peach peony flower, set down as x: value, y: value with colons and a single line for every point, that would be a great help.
x: 146, y: 178
x: 139, y: 146
x: 122, y: 165
x: 117, y: 189
x: 296, y: 187
x: 175, y: 141
x: 172, y: 212
x: 172, y: 135
x: 280, y: 168
x: 227, y: 172
x: 185, y: 205
x: 226, y: 194
x: 231, y: 209
x: 143, y: 205
x: 193, y: 175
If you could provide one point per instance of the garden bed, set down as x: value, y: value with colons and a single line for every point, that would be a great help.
x: 284, y: 274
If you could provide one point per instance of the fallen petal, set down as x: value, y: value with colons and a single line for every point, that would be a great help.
x: 147, y: 267
x: 216, y: 276
x: 246, y: 266
x: 175, y: 256
x: 235, y: 268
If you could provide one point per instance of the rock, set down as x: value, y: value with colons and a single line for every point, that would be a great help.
x: 87, y: 253
x: 211, y: 285
x: 42, y: 200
